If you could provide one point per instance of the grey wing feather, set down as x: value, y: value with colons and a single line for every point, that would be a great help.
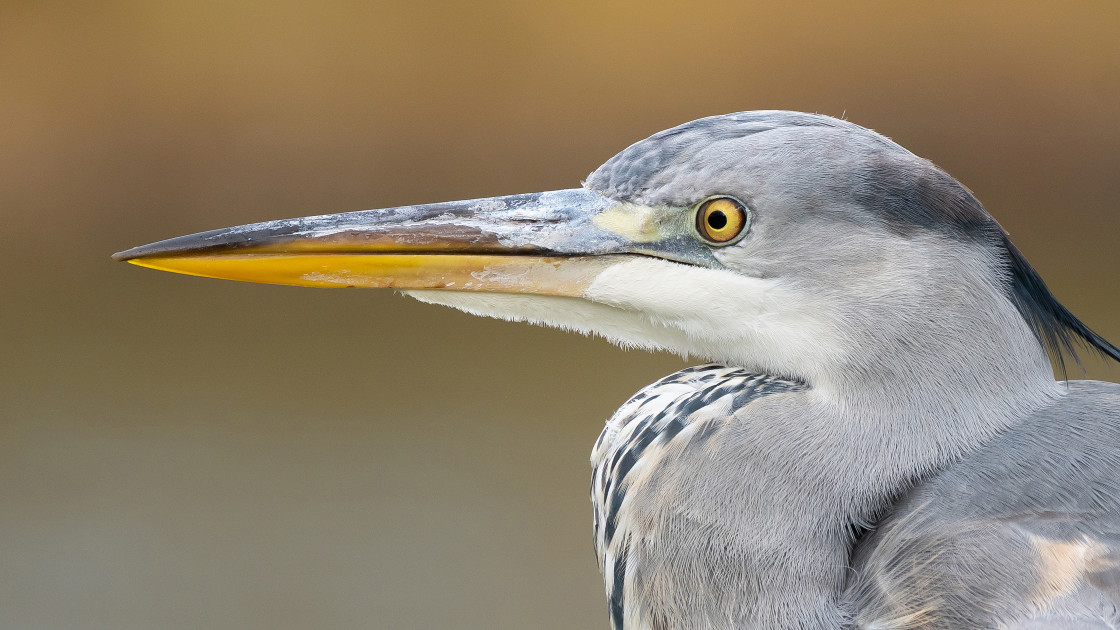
x: 1022, y: 534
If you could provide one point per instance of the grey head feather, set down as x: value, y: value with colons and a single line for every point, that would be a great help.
x: 906, y: 194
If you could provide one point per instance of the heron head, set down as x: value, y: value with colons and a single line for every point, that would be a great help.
x: 778, y: 241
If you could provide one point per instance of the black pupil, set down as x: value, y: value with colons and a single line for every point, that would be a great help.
x: 717, y: 220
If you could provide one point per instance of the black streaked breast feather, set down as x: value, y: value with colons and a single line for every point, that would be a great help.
x: 651, y: 420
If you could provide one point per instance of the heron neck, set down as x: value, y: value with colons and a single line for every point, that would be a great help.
x: 929, y: 394
x: 896, y: 409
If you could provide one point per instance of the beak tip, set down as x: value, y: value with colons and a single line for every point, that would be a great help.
x: 171, y: 246
x: 128, y: 254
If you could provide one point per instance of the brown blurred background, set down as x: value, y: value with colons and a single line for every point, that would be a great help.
x: 187, y: 453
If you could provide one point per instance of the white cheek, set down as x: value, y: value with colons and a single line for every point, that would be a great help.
x: 660, y: 305
x: 756, y: 323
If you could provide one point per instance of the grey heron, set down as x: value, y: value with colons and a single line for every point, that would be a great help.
x: 878, y: 439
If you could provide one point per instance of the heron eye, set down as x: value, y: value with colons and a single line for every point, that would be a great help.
x: 721, y: 219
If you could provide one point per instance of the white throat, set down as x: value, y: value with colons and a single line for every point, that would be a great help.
x: 654, y: 304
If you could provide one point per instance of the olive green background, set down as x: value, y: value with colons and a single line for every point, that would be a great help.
x: 186, y: 453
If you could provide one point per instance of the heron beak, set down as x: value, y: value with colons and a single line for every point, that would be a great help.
x: 545, y: 243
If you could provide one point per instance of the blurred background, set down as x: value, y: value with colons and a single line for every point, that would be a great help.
x: 185, y: 453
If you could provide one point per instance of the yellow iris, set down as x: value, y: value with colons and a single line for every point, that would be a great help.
x: 721, y: 219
